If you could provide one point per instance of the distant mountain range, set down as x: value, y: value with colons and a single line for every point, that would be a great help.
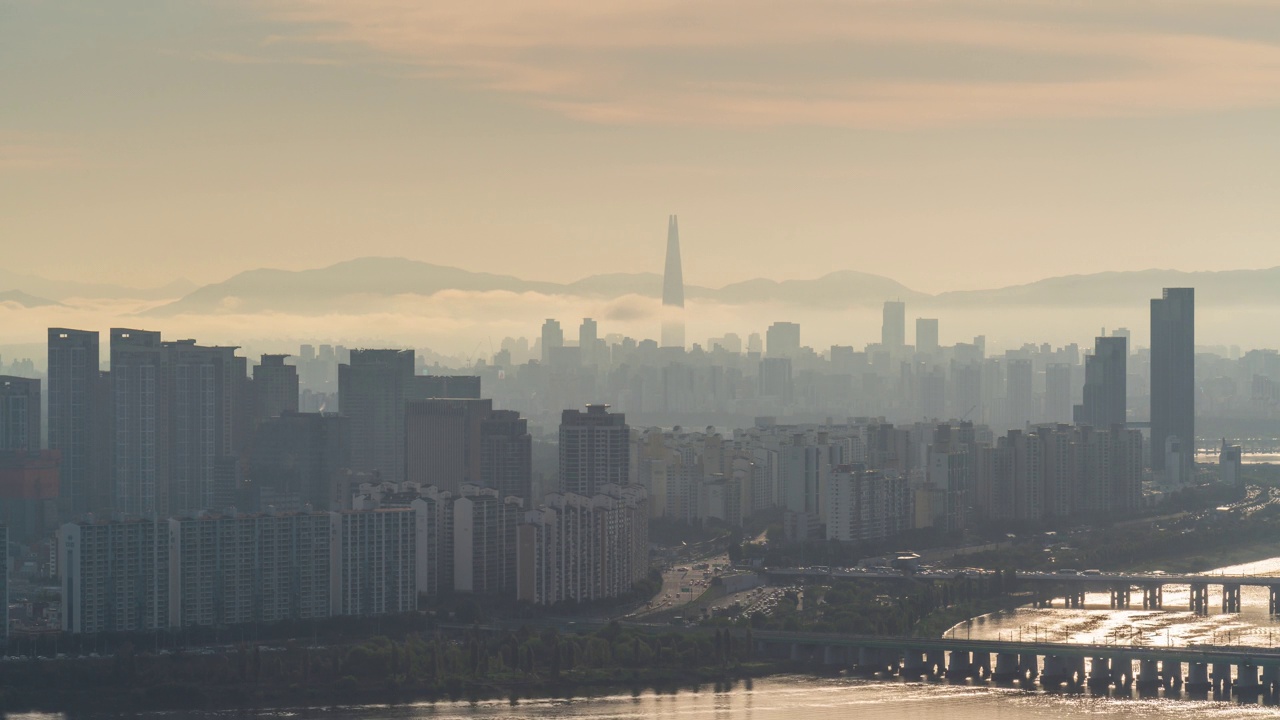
x: 38, y: 287
x: 365, y: 284
x: 25, y: 300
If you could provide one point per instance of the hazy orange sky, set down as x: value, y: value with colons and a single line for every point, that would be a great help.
x: 948, y: 144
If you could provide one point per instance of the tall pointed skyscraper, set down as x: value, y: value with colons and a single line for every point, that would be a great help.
x: 673, y: 290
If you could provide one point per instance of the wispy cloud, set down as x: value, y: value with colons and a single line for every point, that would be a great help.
x: 860, y: 63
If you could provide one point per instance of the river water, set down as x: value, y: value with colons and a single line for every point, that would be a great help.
x: 804, y: 698
x: 1096, y: 622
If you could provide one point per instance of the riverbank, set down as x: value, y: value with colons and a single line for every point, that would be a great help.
x: 393, y: 691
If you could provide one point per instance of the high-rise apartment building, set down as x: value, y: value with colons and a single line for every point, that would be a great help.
x: 893, y: 328
x: 1105, y: 384
x: 239, y: 569
x: 1173, y: 379
x: 583, y: 548
x: 79, y: 423
x: 866, y: 505
x: 484, y: 541
x: 115, y: 576
x: 140, y: 421
x: 595, y: 449
x: 372, y: 556
x: 19, y: 414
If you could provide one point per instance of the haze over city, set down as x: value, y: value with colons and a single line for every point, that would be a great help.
x: 394, y: 358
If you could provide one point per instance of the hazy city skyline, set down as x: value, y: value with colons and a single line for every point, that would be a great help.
x: 950, y: 146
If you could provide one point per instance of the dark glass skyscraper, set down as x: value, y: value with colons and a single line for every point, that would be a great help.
x: 1173, y: 375
x: 1105, y: 384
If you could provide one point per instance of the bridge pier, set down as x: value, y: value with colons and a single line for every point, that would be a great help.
x: 1271, y: 677
x: 1075, y: 599
x: 1200, y: 598
x: 960, y: 665
x: 1148, y: 674
x: 980, y: 662
x: 1028, y: 667
x: 1122, y: 671
x: 1054, y: 673
x: 831, y: 655
x: 913, y: 663
x: 1120, y: 597
x: 1006, y: 667
x: 1171, y: 673
x: 1230, y: 598
x: 1220, y: 676
x: 937, y: 662
x: 1099, y: 672
x: 1152, y: 597
x: 1246, y: 679
x: 1197, y: 677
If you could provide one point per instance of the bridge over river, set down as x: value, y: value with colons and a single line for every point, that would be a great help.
x: 1071, y: 586
x: 1245, y: 671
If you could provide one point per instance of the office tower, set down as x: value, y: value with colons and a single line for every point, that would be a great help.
x: 19, y: 414
x: 673, y: 290
x: 275, y: 387
x: 372, y: 391
x: 464, y: 441
x: 552, y: 338
x: 506, y: 455
x: 442, y: 446
x: 587, y: 337
x: 595, y: 449
x: 78, y: 420
x: 1018, y: 392
x: 782, y: 340
x: 298, y: 459
x: 115, y: 576
x: 893, y: 329
x: 1105, y: 384
x: 1173, y: 379
x: 372, y: 561
x: 140, y: 417
x: 927, y: 336
x: 1057, y: 393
